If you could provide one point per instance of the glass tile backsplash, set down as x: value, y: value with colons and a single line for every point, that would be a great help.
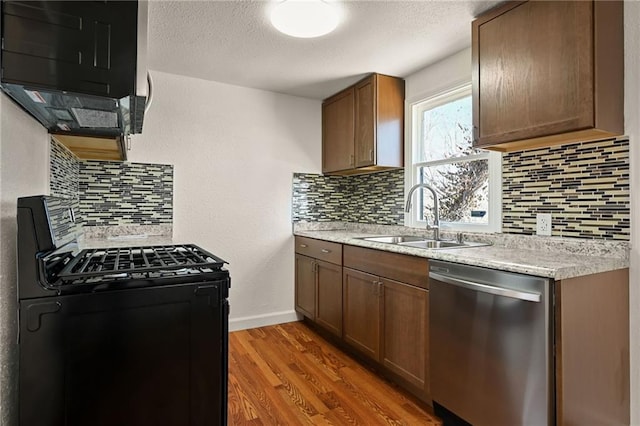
x: 109, y: 193
x: 585, y: 187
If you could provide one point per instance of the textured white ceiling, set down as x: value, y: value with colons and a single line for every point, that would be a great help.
x: 233, y: 42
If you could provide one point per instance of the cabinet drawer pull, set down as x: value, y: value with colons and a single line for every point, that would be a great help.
x: 303, y: 245
x: 325, y: 251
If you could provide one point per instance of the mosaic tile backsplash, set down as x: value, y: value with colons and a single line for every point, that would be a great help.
x: 112, y: 193
x: 63, y: 172
x: 585, y: 187
x: 375, y: 198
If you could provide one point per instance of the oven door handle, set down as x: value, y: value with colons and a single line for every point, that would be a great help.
x: 486, y: 288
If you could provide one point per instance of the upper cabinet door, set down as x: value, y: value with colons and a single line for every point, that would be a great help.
x: 547, y: 72
x: 365, y: 135
x: 338, y: 132
x: 86, y: 47
x: 363, y: 127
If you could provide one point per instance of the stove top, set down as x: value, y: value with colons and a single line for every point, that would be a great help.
x: 50, y: 263
x: 146, y: 262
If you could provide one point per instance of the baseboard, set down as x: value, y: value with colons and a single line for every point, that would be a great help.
x: 262, y: 320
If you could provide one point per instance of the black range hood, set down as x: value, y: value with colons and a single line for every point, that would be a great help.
x: 78, y: 67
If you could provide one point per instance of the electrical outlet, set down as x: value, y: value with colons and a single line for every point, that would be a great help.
x: 543, y: 224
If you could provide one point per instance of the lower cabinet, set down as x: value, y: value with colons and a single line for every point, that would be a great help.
x: 362, y: 318
x: 329, y: 296
x: 375, y: 302
x: 306, y: 286
x: 385, y: 319
x: 405, y: 334
x: 318, y: 282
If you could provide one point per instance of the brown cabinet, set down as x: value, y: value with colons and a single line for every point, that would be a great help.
x: 387, y: 319
x: 363, y: 127
x: 329, y: 296
x: 318, y: 282
x: 592, y: 349
x: 94, y: 148
x: 406, y: 334
x: 337, y: 132
x: 362, y: 311
x: 546, y: 73
x: 306, y: 286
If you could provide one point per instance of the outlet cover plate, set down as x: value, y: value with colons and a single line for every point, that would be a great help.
x: 543, y: 224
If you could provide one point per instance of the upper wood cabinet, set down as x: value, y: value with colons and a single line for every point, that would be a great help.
x: 547, y: 73
x: 337, y: 132
x: 93, y: 148
x: 363, y: 127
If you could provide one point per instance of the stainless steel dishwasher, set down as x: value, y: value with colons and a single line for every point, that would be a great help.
x: 491, y: 335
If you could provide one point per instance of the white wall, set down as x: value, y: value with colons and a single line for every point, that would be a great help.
x: 632, y: 129
x: 24, y: 170
x: 450, y: 72
x: 234, y: 151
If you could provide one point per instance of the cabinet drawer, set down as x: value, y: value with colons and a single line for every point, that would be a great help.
x: 318, y: 249
x: 400, y: 267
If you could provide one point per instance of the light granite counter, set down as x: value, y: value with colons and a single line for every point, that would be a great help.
x: 549, y: 257
x: 125, y: 236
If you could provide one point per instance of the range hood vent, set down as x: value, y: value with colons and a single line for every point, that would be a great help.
x: 78, y: 67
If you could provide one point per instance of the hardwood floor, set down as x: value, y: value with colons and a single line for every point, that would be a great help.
x: 288, y: 375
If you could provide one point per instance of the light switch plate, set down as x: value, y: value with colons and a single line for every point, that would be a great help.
x: 543, y: 224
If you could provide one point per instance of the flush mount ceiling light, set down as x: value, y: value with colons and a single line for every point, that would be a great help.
x: 305, y: 18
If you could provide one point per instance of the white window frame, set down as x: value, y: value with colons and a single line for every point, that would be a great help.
x: 413, y: 109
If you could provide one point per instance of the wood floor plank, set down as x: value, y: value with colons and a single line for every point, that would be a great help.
x: 299, y: 389
x: 289, y: 375
x: 247, y: 344
x: 272, y: 408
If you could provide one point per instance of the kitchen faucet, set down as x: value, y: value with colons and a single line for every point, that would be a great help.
x: 436, y: 219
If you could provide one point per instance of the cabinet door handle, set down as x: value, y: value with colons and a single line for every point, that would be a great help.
x: 371, y: 155
x: 378, y: 288
x: 352, y: 160
x: 304, y: 245
x: 325, y: 251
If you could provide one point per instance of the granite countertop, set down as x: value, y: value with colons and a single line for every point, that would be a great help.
x: 125, y: 236
x: 135, y: 241
x: 543, y: 257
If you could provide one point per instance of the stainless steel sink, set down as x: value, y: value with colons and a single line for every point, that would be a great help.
x: 433, y: 244
x: 394, y: 239
x: 421, y: 242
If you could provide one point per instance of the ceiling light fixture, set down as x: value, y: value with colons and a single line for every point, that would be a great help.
x: 305, y: 18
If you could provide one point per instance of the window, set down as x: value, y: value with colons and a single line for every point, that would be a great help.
x: 466, y: 179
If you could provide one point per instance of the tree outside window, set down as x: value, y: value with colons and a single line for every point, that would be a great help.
x: 444, y: 157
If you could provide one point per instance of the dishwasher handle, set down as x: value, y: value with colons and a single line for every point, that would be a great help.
x: 486, y: 288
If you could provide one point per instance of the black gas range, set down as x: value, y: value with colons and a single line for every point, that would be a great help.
x: 117, y: 336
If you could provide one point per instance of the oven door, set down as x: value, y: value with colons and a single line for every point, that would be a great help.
x: 151, y: 356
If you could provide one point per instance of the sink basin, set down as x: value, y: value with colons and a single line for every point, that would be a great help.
x: 433, y: 244
x: 420, y: 242
x: 394, y: 239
